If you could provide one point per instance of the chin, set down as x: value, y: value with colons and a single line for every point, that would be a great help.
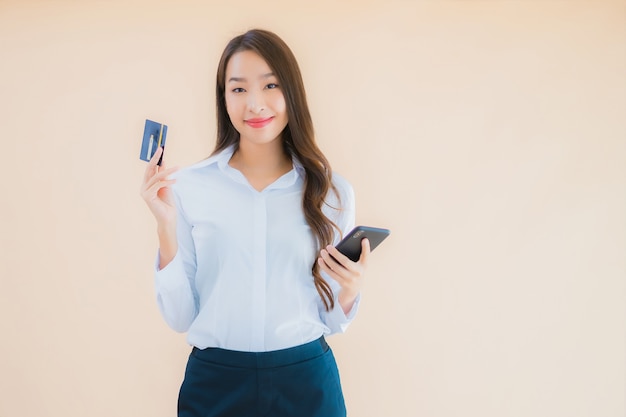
x: 262, y: 139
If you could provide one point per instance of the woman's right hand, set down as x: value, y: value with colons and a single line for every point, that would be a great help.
x: 157, y: 193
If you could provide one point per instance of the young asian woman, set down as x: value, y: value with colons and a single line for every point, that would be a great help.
x: 246, y: 263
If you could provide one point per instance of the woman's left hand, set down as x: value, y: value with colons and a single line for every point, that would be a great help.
x: 347, y: 273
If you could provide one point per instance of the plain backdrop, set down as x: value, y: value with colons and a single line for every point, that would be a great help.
x: 489, y: 136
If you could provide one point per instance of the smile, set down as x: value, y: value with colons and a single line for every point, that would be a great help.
x: 258, y: 123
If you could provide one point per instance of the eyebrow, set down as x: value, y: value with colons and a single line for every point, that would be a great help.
x: 241, y: 79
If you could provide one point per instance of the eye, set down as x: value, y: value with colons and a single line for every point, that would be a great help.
x: 238, y: 90
x: 271, y: 86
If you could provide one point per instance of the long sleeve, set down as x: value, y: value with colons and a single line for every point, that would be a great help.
x: 336, y: 320
x: 174, y: 284
x: 241, y: 277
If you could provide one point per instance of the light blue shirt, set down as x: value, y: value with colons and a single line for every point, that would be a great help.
x: 241, y: 279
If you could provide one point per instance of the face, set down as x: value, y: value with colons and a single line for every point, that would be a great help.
x: 254, y: 100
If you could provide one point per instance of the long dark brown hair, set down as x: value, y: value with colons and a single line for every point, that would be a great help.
x: 298, y: 138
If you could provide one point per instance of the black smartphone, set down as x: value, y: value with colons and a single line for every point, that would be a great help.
x: 350, y: 245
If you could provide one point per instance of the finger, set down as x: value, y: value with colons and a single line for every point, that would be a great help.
x: 342, y: 259
x: 152, y: 164
x: 160, y: 176
x: 333, y: 264
x: 147, y: 185
x: 152, y: 191
x: 149, y: 172
x: 163, y: 164
x: 164, y: 173
x: 157, y: 155
x: 365, y: 251
x: 334, y: 275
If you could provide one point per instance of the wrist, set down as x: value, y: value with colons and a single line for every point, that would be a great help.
x: 347, y: 299
x: 167, y: 230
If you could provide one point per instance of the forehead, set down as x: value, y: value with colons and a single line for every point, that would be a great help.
x: 247, y: 64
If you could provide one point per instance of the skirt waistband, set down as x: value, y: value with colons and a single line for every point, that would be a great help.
x: 261, y: 360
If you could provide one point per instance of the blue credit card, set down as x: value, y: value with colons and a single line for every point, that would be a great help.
x: 154, y: 135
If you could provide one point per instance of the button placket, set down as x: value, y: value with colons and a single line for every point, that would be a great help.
x: 259, y: 257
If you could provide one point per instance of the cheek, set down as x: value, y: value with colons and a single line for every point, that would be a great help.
x: 280, y: 105
x: 229, y: 104
x: 231, y: 109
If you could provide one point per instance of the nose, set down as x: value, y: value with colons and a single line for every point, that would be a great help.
x: 256, y: 102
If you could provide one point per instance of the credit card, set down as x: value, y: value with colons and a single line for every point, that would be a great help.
x: 154, y: 135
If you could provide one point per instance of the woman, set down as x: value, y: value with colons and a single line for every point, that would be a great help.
x: 246, y: 263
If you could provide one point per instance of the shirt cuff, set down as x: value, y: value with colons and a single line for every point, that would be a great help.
x: 169, y: 278
x: 341, y: 320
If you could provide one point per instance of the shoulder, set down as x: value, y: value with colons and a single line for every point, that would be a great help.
x: 341, y: 183
x: 340, y: 204
x: 194, y: 180
x: 200, y: 169
x: 190, y: 177
x: 193, y: 170
x: 344, y: 195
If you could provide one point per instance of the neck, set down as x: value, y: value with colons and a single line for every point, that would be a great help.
x: 260, y: 158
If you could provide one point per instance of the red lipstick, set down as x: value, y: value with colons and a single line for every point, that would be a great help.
x: 259, y: 122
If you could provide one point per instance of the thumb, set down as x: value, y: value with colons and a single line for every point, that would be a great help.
x: 365, y: 251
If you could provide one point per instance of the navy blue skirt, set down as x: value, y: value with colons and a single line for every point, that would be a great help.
x: 301, y: 381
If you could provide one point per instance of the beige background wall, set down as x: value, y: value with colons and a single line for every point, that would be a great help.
x: 488, y: 135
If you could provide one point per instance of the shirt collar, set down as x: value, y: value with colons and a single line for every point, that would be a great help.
x: 221, y: 159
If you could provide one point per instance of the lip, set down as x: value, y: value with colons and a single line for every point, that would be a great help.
x: 259, y: 122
